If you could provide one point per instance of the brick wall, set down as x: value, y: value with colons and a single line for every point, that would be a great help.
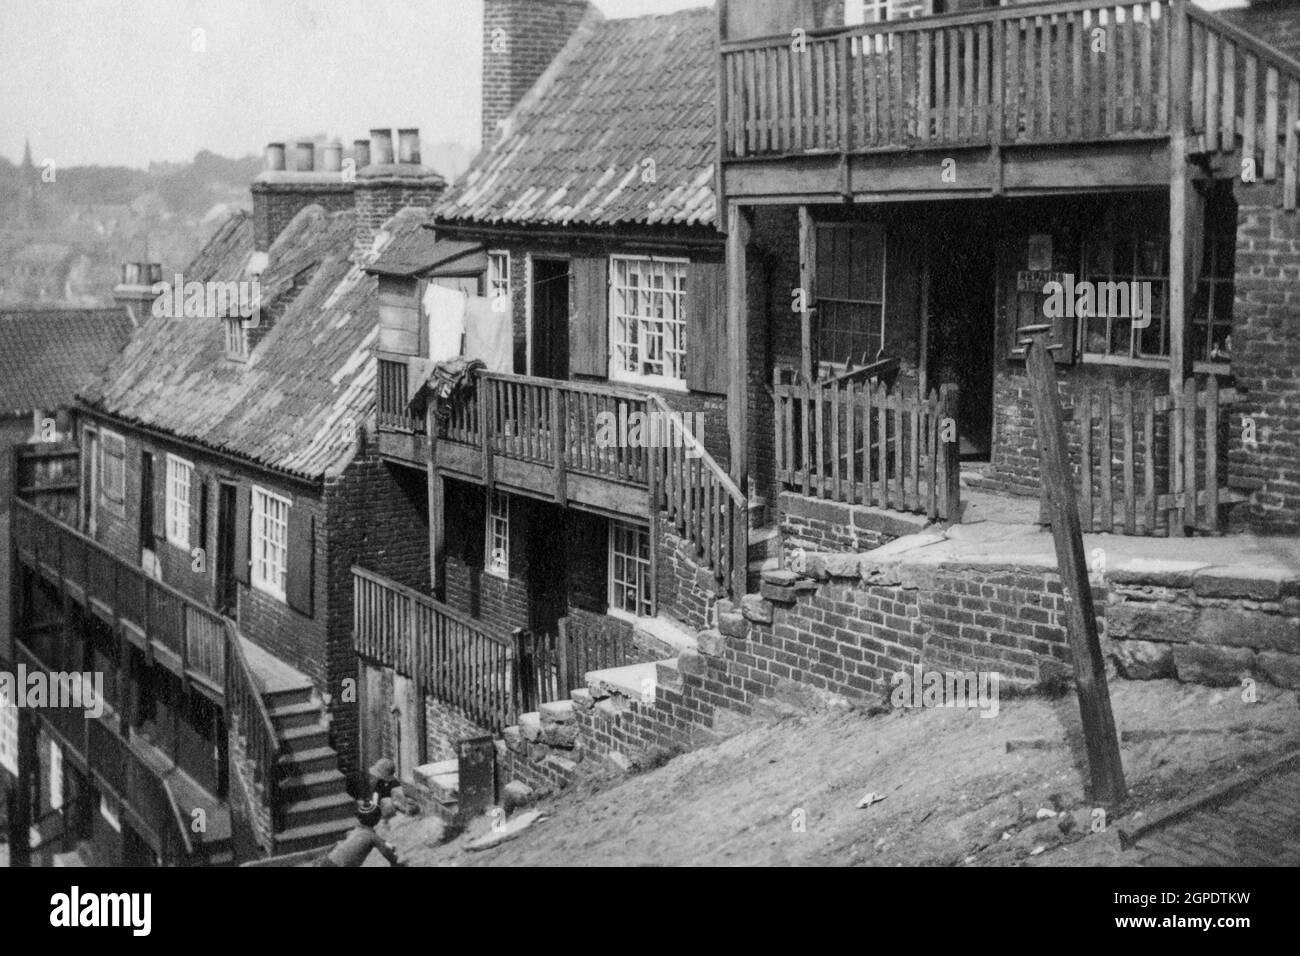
x: 1266, y: 358
x: 822, y: 525
x: 380, y: 198
x: 687, y: 591
x: 520, y: 38
x: 275, y: 204
x: 444, y: 726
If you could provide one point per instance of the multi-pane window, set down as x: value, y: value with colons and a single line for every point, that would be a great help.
x: 236, y: 339
x: 648, y: 319
x: 1130, y: 244
x: 498, y: 276
x: 270, y: 542
x: 1212, y: 307
x: 629, y: 569
x: 179, y: 474
x: 850, y: 292
x: 498, y: 535
x: 9, y: 736
x: 112, y: 470
x: 865, y: 11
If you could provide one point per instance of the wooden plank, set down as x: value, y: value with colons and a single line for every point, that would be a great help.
x: 1197, y: 102
x: 738, y: 233
x: 940, y: 86
x: 1289, y: 181
x: 805, y: 434
x: 850, y: 459
x: 1250, y: 131
x: 1181, y: 200
x: 1130, y: 494
x: 1162, y: 66
x: 1212, y: 108
x: 1270, y: 124
x: 1228, y: 123
x: 807, y: 283
x: 1100, y: 738
x: 1078, y: 39
x: 968, y: 93
x: 1106, y: 463
x: 882, y: 445
x: 1149, y: 459
x: 835, y: 442
x: 1096, y: 117
x: 1189, y: 452
x: 1211, y: 482
x: 865, y: 401
x: 914, y: 452
x: 954, y: 86
x: 997, y: 118
x: 1085, y: 458
x: 900, y: 493
x: 1112, y: 79
x: 896, y: 70
x: 1148, y: 104
x: 1013, y: 82
x: 819, y: 411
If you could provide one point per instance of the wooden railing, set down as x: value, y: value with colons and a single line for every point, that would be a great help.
x: 449, y: 655
x: 193, y: 634
x: 1151, y: 464
x: 1241, y: 89
x: 550, y: 666
x: 390, y: 398
x: 551, y: 422
x: 892, y: 448
x: 699, y: 498
x: 1076, y: 70
x: 249, y: 716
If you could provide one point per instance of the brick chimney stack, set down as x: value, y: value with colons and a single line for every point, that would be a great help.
x: 520, y: 39
x: 280, y: 193
x: 135, y: 292
x: 391, y: 182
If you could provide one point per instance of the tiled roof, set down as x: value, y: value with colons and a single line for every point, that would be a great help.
x: 47, y: 354
x: 417, y: 250
x: 287, y: 406
x: 621, y: 92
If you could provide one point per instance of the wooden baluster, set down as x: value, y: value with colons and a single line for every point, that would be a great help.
x: 1292, y: 146
x: 1191, y: 518
x: 1107, y: 463
x: 1250, y: 111
x: 1014, y: 81
x: 1085, y: 459
x: 835, y: 443
x: 1212, y: 93
x: 925, y: 61
x: 1198, y: 77
x: 1229, y: 120
x: 1130, y: 505
x: 882, y: 444
x: 941, y: 87
x: 900, y: 494
x: 914, y: 451
x: 865, y: 399
x: 850, y: 459
x: 1270, y: 124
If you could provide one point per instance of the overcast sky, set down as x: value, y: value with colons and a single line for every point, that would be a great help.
x: 119, y: 82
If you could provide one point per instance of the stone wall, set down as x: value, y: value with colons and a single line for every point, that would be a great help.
x: 816, y: 524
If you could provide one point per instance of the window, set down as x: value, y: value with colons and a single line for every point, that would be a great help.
x: 498, y: 535
x: 629, y: 569
x: 9, y: 736
x: 1130, y: 243
x: 648, y: 320
x: 179, y: 473
x: 270, y: 542
x: 850, y: 318
x: 236, y: 339
x: 112, y: 471
x: 865, y: 11
x: 498, y: 276
x: 1212, y: 308
x: 56, y: 777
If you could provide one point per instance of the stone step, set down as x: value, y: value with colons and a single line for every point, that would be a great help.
x: 290, y: 716
x: 629, y: 681
x: 312, y: 835
x: 298, y: 739
x: 442, y: 779
x: 316, y: 783
x: 312, y: 760
x: 326, y: 809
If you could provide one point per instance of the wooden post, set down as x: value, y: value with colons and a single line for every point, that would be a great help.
x: 923, y: 366
x: 20, y: 813
x: 437, y: 532
x: 1184, y: 206
x: 807, y: 277
x: 1100, y: 738
x: 739, y: 224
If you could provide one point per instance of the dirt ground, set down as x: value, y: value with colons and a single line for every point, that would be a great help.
x: 784, y: 792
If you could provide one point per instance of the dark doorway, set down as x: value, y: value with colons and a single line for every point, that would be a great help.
x: 550, y: 358
x: 146, y: 500
x: 547, y: 568
x: 226, y: 586
x: 963, y: 306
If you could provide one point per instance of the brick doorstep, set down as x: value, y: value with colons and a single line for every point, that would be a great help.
x: 1233, y: 787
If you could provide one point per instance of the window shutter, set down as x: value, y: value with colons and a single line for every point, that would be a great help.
x: 243, y: 526
x: 706, y: 328
x: 301, y: 560
x: 160, y: 497
x: 589, y: 328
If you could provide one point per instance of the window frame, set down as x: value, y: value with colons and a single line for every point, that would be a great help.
x: 497, y: 529
x: 499, y: 278
x: 178, y: 524
x: 643, y: 585
x: 615, y: 370
x: 56, y: 776
x: 116, y: 505
x: 819, y: 361
x: 260, y: 560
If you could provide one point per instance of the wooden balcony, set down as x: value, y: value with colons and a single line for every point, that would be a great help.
x: 1022, y: 98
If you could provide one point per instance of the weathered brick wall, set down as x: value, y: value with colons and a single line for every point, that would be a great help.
x: 687, y: 589
x: 1266, y: 358
x: 275, y: 205
x: 816, y: 524
x: 520, y: 38
x: 379, y: 199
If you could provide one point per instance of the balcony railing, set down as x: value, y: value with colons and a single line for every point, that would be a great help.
x: 390, y: 399
x: 1070, y: 71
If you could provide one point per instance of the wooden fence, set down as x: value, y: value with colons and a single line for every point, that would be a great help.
x: 390, y: 398
x: 552, y: 665
x: 869, y: 444
x: 1151, y: 464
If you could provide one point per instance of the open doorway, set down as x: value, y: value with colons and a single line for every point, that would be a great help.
x: 962, y: 330
x: 550, y: 318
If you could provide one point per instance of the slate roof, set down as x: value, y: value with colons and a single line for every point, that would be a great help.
x: 286, y: 407
x: 620, y: 92
x: 47, y: 354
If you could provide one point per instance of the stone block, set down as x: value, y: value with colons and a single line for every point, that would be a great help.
x: 530, y: 725
x: 781, y: 577
x: 1245, y: 581
x: 690, y: 662
x: 560, y: 735
x: 1214, y: 666
x: 1237, y: 627
x: 712, y: 643
x: 756, y: 609
x: 732, y: 624
x: 1143, y: 660
x: 582, y: 699
x: 1280, y: 669
x: 514, y: 739
x: 778, y: 594
x: 1151, y: 622
x: 556, y: 712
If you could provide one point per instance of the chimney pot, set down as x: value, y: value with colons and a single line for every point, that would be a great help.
x: 275, y: 156
x: 381, y: 146
x: 130, y: 273
x: 306, y: 155
x: 332, y: 157
x: 361, y: 153
x: 408, y: 146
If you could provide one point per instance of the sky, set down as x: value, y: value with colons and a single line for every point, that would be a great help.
x: 125, y: 82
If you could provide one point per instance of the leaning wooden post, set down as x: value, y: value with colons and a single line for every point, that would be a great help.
x: 1089, y: 670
